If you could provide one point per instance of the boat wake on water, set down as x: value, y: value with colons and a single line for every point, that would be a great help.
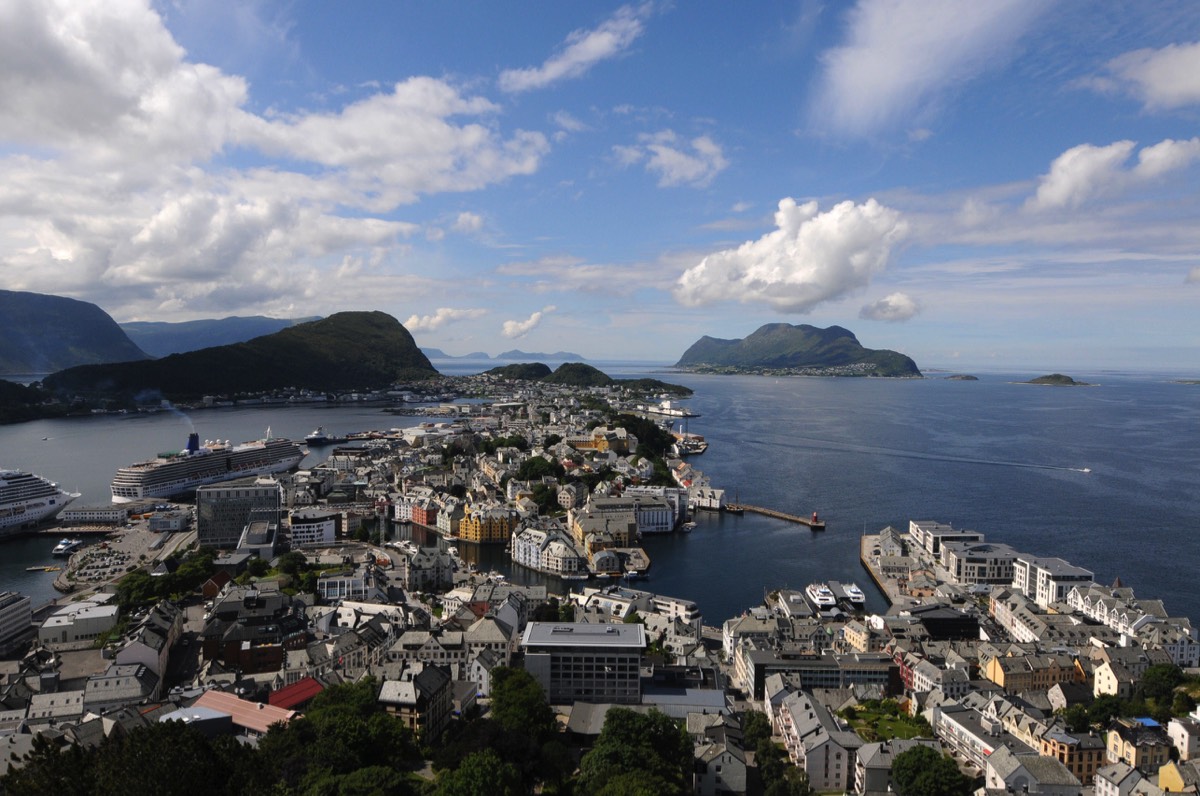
x: 816, y: 444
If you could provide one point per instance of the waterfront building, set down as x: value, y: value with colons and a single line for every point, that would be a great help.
x: 547, y: 549
x: 488, y: 525
x: 929, y: 535
x: 107, y: 514
x: 77, y: 625
x: 313, y: 527
x: 1047, y: 580
x: 587, y: 663
x: 223, y: 510
x: 978, y: 562
x: 16, y: 616
x: 429, y: 569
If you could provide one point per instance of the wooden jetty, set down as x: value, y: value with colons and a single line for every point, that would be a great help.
x: 812, y: 522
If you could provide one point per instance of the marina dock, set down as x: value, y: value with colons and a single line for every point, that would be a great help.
x: 812, y: 522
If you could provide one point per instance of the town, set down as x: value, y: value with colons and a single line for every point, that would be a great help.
x: 262, y: 610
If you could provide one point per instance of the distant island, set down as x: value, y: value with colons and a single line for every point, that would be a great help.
x: 962, y: 377
x: 507, y: 356
x: 577, y: 374
x: 1057, y: 380
x: 782, y: 348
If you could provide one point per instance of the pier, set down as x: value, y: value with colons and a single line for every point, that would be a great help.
x: 812, y: 522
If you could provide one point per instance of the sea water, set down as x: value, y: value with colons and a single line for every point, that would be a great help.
x: 1105, y: 477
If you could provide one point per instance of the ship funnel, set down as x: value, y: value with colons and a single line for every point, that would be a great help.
x: 193, y: 444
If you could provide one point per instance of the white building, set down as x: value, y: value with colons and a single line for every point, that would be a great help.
x: 313, y: 527
x: 77, y: 624
x: 1047, y: 580
x: 16, y: 615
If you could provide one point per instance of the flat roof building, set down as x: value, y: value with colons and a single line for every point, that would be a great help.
x: 585, y: 662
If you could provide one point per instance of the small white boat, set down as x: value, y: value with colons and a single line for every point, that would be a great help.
x: 66, y: 546
x: 820, y: 595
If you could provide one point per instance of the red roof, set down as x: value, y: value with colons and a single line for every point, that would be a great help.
x: 295, y: 694
x: 253, y: 716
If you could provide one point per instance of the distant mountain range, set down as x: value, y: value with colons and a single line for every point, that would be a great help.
x: 508, y: 356
x: 45, y: 333
x: 781, y: 346
x: 577, y: 374
x: 161, y: 338
x: 359, y: 350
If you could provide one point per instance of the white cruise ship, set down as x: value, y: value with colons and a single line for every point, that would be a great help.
x: 26, y: 499
x: 171, y: 474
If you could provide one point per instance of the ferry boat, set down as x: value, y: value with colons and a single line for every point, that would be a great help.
x: 174, y: 473
x: 688, y: 527
x: 820, y: 595
x: 27, y: 499
x: 854, y: 594
x: 319, y: 436
x: 66, y: 546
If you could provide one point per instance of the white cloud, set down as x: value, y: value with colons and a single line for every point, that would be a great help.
x: 1193, y: 276
x: 514, y: 329
x: 566, y: 273
x: 1080, y: 172
x: 1086, y: 170
x: 902, y: 55
x: 443, y: 316
x: 892, y: 308
x: 567, y: 122
x: 467, y: 223
x: 810, y: 258
x: 676, y: 162
x: 1166, y: 156
x: 583, y: 50
x: 1161, y: 79
x: 110, y: 180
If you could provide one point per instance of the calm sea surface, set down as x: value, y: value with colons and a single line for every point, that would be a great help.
x: 1000, y: 458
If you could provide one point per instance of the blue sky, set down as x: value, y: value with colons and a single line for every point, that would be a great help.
x: 1002, y: 184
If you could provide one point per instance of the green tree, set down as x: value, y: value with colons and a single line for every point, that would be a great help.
x: 293, y: 563
x: 519, y: 705
x: 756, y: 727
x: 1076, y: 718
x: 480, y: 773
x: 649, y: 743
x: 1159, y: 682
x: 924, y: 771
x: 257, y: 567
x: 49, y: 768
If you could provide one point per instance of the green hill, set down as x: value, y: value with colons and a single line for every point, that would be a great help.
x: 781, y: 346
x: 45, y: 333
x: 528, y: 371
x: 1057, y: 380
x: 160, y: 339
x: 349, y: 350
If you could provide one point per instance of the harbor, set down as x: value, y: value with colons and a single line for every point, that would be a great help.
x: 814, y: 522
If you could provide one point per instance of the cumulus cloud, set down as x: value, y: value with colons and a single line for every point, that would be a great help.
x: 892, y: 308
x: 1161, y: 79
x: 441, y: 317
x: 561, y: 273
x: 675, y: 161
x: 1080, y: 172
x: 468, y: 222
x: 1193, y: 276
x: 515, y: 329
x: 109, y: 178
x: 583, y: 50
x: 1086, y: 170
x: 810, y: 258
x: 902, y: 55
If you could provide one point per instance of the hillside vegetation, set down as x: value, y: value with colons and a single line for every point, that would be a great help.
x: 349, y: 350
x: 45, y: 333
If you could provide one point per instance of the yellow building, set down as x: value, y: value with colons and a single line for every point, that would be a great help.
x: 1033, y: 672
x: 1145, y: 747
x: 1081, y: 753
x: 487, y: 526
